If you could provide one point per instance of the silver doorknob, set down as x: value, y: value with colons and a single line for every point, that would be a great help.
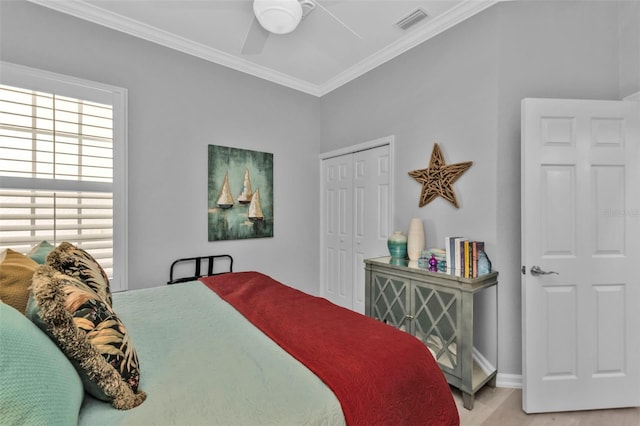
x: 535, y: 271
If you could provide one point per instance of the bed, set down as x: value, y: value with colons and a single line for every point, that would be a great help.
x: 234, y: 348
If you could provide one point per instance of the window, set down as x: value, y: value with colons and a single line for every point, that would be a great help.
x: 62, y: 165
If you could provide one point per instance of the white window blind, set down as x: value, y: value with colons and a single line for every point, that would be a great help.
x: 55, y: 137
x: 57, y: 162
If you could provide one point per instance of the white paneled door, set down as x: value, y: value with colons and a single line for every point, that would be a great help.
x: 337, y: 241
x: 580, y: 254
x: 356, y: 221
x: 371, y: 213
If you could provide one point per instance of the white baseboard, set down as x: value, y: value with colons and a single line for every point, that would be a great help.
x: 483, y: 362
x: 502, y: 380
x: 509, y: 381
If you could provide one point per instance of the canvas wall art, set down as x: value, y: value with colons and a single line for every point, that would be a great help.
x: 240, y: 194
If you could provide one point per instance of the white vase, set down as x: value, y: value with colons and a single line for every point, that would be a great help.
x: 415, y: 239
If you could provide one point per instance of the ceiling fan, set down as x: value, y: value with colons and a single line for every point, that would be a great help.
x: 279, y: 17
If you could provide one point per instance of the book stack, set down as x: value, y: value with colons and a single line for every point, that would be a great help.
x: 462, y: 256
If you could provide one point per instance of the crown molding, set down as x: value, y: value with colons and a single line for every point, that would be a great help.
x: 81, y: 9
x: 632, y: 97
x: 100, y: 16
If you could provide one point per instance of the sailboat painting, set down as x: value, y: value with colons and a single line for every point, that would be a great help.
x: 249, y: 175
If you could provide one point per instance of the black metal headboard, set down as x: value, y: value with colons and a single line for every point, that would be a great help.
x: 198, y: 264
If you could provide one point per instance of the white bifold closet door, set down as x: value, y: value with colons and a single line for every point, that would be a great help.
x: 356, y: 213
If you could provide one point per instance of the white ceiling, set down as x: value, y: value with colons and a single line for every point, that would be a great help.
x: 319, y: 56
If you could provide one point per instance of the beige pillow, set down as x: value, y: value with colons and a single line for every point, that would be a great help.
x: 16, y: 271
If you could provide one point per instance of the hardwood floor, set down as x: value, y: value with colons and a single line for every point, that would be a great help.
x: 503, y: 407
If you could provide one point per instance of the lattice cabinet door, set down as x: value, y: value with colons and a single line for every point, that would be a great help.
x: 390, y: 300
x: 436, y: 322
x: 436, y: 308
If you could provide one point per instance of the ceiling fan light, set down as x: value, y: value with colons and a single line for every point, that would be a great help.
x: 278, y: 16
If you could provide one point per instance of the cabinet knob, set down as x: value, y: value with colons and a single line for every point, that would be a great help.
x: 408, y: 317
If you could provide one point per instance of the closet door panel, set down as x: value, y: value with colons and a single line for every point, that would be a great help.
x: 338, y: 230
x: 356, y: 199
x: 371, y: 169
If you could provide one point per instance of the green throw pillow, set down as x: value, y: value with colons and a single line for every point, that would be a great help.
x: 40, y: 251
x: 89, y: 332
x: 77, y: 263
x: 38, y: 384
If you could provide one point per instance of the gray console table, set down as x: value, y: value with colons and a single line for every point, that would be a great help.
x: 435, y: 307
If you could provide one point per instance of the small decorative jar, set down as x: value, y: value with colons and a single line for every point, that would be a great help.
x: 397, y: 244
x: 433, y: 264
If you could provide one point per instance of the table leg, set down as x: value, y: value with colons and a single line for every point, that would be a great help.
x: 467, y: 400
x: 492, y: 383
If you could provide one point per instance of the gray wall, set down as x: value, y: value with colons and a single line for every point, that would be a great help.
x: 178, y: 105
x: 629, y: 32
x: 462, y: 89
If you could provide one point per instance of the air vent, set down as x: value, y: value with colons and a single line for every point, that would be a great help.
x: 411, y: 19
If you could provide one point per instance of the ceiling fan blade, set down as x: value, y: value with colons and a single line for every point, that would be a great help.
x: 337, y: 19
x: 194, y: 4
x: 255, y: 40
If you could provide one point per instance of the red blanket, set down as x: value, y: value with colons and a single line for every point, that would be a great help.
x: 380, y: 375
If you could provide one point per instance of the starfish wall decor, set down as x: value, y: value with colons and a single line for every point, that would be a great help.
x: 438, y: 178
